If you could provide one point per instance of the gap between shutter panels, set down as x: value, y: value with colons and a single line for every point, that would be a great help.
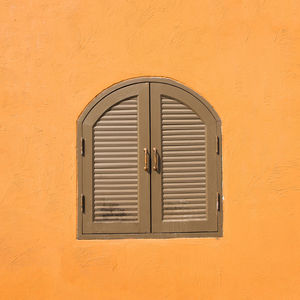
x: 183, y: 163
x: 116, y: 164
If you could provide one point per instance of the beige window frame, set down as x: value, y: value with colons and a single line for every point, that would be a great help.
x: 149, y: 93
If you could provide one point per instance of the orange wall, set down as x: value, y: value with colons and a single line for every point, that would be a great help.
x: 242, y: 56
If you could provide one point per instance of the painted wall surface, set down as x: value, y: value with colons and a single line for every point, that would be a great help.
x: 242, y: 56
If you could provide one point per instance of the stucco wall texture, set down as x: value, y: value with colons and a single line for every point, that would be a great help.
x: 241, y: 56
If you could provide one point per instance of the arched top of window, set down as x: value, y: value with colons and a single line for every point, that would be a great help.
x: 163, y: 80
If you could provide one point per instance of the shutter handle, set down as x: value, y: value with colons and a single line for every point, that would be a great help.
x: 146, y: 166
x: 155, y: 159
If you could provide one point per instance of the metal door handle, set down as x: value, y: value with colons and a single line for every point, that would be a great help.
x: 155, y: 159
x: 146, y: 166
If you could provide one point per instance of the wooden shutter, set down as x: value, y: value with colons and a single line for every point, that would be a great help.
x: 184, y: 188
x: 115, y: 185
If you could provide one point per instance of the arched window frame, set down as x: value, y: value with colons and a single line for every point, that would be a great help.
x: 81, y: 151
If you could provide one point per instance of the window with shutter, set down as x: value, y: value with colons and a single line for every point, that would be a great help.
x: 149, y: 163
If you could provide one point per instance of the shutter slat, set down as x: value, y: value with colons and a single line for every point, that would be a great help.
x: 117, y: 122
x: 180, y: 185
x: 108, y: 117
x: 183, y: 116
x: 115, y: 199
x: 184, y: 153
x: 185, y: 218
x: 183, y: 143
x: 113, y: 138
x: 181, y: 158
x: 126, y: 127
x: 183, y: 190
x: 117, y: 186
x: 181, y: 122
x: 167, y: 137
x: 115, y: 154
x: 99, y: 150
x: 116, y: 134
x: 113, y: 176
x: 182, y: 148
x: 185, y: 201
x: 114, y: 218
x: 115, y: 143
x: 184, y: 169
x: 112, y: 159
x: 183, y: 164
x: 180, y: 127
x: 178, y: 195
x: 167, y: 132
x: 179, y: 111
x: 175, y: 106
x: 184, y: 187
x: 115, y: 181
x: 121, y: 112
x: 114, y: 192
x: 116, y: 164
x: 182, y: 180
x: 183, y: 211
x: 183, y: 206
x: 110, y: 206
x: 183, y: 174
x: 116, y: 170
x: 114, y: 213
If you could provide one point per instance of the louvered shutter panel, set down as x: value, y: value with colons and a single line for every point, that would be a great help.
x: 116, y: 164
x: 116, y: 132
x: 183, y: 163
x: 184, y: 187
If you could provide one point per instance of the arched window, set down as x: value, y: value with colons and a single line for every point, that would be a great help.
x: 149, y: 163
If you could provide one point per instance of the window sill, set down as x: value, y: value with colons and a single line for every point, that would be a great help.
x: 164, y: 235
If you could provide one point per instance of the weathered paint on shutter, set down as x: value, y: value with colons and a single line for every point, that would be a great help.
x: 116, y: 187
x: 116, y: 164
x: 184, y: 188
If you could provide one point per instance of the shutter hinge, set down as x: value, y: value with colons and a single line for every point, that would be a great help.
x: 217, y: 145
x: 82, y: 203
x: 82, y: 147
x: 218, y: 201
